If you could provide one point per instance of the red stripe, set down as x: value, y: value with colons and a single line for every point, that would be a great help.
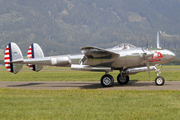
x: 7, y: 53
x: 29, y: 53
x: 6, y: 63
x: 29, y: 49
x: 6, y: 58
x: 7, y: 48
x: 30, y: 65
x: 8, y: 67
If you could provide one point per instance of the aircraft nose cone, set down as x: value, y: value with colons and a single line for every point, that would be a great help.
x: 173, y: 55
x: 170, y: 55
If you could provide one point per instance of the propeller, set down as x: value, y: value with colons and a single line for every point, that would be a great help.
x: 147, y: 45
x: 158, y: 41
x: 147, y: 54
x: 147, y: 63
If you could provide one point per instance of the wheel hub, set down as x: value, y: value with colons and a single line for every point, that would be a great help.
x: 123, y: 79
x: 106, y: 80
x: 159, y: 81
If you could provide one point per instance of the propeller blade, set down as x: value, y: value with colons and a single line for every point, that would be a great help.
x: 158, y: 45
x: 147, y: 63
x: 147, y: 45
x: 147, y: 55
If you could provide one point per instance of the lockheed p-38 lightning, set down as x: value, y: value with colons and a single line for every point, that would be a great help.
x: 126, y: 58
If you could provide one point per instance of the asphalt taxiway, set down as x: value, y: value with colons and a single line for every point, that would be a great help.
x: 132, y: 85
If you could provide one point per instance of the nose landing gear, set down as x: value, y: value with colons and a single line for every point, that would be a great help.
x: 159, y: 79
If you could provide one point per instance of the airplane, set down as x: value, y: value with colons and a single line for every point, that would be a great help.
x: 126, y: 58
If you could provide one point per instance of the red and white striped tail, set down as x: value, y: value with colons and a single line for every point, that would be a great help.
x: 7, y: 59
x: 30, y: 56
x: 29, y: 53
x: 13, y: 53
x: 35, y: 52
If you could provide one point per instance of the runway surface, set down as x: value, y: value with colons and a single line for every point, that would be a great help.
x: 132, y: 85
x: 64, y: 69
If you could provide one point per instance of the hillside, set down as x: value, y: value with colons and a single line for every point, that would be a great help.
x: 64, y: 26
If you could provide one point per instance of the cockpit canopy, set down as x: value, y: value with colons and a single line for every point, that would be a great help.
x: 124, y: 46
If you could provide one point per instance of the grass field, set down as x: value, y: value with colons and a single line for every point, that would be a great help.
x: 85, y: 104
x: 89, y: 105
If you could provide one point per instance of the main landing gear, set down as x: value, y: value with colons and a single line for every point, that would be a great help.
x: 122, y: 79
x: 108, y: 81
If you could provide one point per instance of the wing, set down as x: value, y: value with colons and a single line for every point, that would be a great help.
x: 98, y: 53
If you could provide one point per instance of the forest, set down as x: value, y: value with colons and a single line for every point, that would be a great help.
x: 64, y: 26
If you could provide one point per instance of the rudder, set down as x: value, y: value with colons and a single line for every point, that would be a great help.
x: 35, y: 51
x: 11, y: 54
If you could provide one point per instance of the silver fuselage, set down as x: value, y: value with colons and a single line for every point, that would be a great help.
x: 127, y: 58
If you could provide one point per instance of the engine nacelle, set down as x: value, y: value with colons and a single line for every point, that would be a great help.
x: 90, y: 68
x: 140, y: 69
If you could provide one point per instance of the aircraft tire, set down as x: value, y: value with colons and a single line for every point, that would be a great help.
x: 123, y: 80
x: 159, y: 80
x: 107, y: 80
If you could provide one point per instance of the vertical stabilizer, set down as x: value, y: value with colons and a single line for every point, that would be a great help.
x: 35, y: 51
x: 12, y: 53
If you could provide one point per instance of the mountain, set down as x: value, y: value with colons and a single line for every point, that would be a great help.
x: 64, y: 26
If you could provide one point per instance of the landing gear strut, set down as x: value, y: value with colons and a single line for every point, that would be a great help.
x: 159, y: 79
x: 108, y: 81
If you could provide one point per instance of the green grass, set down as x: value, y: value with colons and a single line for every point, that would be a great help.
x: 170, y: 67
x: 89, y: 105
x: 71, y: 75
